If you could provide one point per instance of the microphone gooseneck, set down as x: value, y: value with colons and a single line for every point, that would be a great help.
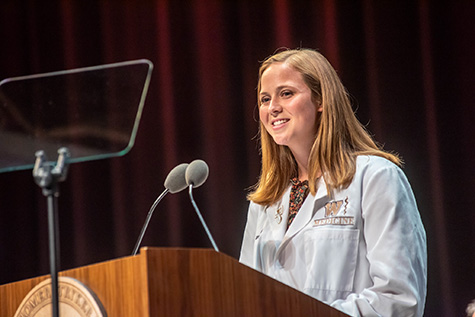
x: 196, y: 174
x: 174, y: 183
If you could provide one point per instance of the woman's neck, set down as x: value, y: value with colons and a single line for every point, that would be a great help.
x: 302, y: 157
x: 302, y: 164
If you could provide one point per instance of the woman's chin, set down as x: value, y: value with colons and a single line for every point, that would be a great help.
x: 280, y: 141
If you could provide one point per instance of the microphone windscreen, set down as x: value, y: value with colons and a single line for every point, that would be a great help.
x: 175, y: 181
x: 196, y: 173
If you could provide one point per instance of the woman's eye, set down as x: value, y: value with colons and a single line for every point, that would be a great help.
x: 265, y: 100
x: 286, y: 93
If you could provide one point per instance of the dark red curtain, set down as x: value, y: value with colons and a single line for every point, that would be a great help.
x: 408, y: 65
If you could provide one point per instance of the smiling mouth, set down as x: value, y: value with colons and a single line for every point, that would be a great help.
x: 279, y: 122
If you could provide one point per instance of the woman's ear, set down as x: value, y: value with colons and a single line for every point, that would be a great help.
x: 319, y: 107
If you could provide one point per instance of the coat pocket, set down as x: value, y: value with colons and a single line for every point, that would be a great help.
x: 330, y: 256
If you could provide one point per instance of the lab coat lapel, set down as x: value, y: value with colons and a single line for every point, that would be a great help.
x: 306, y: 212
x: 277, y: 215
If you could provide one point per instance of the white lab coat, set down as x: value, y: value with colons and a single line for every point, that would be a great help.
x: 363, y: 251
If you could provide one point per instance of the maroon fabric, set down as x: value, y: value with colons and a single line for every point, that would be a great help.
x: 408, y: 66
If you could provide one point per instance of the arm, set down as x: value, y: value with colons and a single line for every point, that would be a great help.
x: 396, y: 248
x: 247, y: 247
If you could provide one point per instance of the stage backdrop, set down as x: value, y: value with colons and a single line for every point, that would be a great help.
x: 408, y: 65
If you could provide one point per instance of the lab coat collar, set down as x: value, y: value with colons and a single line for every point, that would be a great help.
x: 305, y: 214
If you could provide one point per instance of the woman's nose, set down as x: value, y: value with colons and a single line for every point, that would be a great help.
x: 275, y: 107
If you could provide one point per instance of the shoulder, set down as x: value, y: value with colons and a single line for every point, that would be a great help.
x: 374, y: 162
x: 379, y: 175
x: 372, y: 168
x: 369, y: 164
x: 255, y: 209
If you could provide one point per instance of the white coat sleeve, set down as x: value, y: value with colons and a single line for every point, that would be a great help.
x: 247, y: 248
x: 396, y: 248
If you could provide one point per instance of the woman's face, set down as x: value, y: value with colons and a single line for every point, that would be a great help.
x: 287, y: 110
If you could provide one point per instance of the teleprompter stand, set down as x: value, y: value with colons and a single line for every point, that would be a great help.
x: 88, y: 113
x: 47, y: 177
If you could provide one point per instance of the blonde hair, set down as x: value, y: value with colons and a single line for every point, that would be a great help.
x: 340, y: 137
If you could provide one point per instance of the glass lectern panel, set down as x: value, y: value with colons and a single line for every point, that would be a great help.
x: 93, y: 111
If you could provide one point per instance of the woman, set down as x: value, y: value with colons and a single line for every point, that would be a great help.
x: 332, y: 214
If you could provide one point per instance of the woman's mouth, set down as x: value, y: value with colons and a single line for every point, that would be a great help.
x: 279, y: 122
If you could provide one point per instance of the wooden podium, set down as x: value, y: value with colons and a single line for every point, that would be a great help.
x: 179, y: 282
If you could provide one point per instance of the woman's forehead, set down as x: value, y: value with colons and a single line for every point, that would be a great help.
x: 280, y: 75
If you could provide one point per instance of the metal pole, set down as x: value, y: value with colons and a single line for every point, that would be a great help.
x: 53, y: 232
x: 47, y: 178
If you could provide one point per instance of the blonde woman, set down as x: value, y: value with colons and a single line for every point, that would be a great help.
x: 332, y: 215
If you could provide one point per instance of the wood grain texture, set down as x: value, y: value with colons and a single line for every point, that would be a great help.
x: 202, y: 282
x: 120, y: 285
x: 180, y: 282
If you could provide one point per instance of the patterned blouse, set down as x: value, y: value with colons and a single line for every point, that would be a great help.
x: 298, y: 193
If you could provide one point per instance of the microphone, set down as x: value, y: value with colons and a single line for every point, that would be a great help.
x: 195, y: 176
x: 174, y: 183
x: 196, y: 173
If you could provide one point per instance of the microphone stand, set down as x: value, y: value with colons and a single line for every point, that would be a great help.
x: 147, y: 220
x: 48, y: 178
x: 190, y: 191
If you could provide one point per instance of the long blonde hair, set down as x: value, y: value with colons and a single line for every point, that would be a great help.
x: 340, y: 137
